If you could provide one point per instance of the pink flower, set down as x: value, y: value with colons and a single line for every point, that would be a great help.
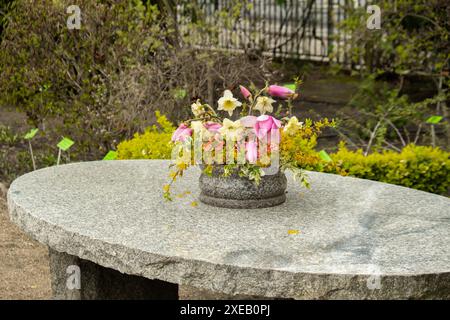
x: 212, y: 126
x: 280, y: 92
x: 182, y: 132
x: 251, y: 153
x: 265, y: 124
x: 213, y: 136
x: 245, y: 92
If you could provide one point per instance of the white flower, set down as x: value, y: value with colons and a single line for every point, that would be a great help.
x: 197, y: 108
x: 264, y: 104
x: 292, y: 126
x: 197, y: 126
x: 228, y: 102
x: 232, y: 129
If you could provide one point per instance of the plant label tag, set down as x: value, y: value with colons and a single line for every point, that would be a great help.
x: 325, y: 156
x: 111, y: 155
x: 30, y: 134
x: 434, y: 119
x: 65, y: 144
x: 291, y: 86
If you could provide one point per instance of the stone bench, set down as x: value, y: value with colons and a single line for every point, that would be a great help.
x: 107, y: 223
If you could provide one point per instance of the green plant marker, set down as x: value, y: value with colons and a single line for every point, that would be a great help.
x: 65, y: 144
x: 325, y: 156
x: 30, y: 134
x: 434, y: 119
x: 111, y: 155
x: 179, y: 93
x: 291, y: 86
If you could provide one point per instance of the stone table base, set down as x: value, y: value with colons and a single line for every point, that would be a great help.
x: 77, y: 279
x: 191, y: 293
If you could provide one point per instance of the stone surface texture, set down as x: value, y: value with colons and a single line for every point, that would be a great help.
x: 354, y: 238
x: 239, y: 192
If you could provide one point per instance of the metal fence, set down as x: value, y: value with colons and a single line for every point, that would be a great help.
x: 299, y: 29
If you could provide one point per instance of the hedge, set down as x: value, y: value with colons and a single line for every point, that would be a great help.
x: 154, y: 143
x: 418, y: 167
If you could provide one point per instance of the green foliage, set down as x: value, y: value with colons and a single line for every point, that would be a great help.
x: 5, y: 7
x: 251, y: 172
x: 413, y: 41
x: 7, y: 137
x: 418, y: 167
x: 299, y: 148
x: 16, y: 160
x: 386, y: 118
x: 154, y: 143
x: 413, y: 38
x: 50, y: 72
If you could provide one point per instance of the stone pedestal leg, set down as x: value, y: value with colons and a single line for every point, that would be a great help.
x: 76, y: 279
x: 191, y: 293
x: 63, y: 266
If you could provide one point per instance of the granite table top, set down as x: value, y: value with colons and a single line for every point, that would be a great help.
x: 343, y: 238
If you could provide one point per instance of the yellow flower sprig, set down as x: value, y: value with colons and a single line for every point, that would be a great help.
x: 179, y: 171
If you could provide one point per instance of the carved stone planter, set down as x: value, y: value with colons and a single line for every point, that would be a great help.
x: 239, y: 192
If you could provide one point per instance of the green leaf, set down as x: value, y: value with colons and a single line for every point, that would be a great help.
x: 179, y: 93
x: 30, y: 134
x: 434, y: 119
x: 291, y: 86
x: 111, y: 155
x: 325, y: 156
x: 65, y: 144
x: 208, y: 170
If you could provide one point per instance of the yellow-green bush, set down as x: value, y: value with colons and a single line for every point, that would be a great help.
x: 154, y: 143
x: 418, y: 167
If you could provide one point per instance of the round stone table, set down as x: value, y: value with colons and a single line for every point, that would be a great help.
x: 107, y: 223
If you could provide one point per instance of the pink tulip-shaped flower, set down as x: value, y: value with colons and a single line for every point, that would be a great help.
x: 265, y: 124
x: 245, y: 92
x: 280, y: 92
x: 212, y: 126
x: 182, y: 132
x: 251, y: 151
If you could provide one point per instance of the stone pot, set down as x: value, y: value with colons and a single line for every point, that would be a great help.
x: 239, y: 192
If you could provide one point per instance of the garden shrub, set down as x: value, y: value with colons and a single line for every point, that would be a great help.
x: 154, y: 143
x: 5, y: 6
x: 418, y: 167
x: 63, y: 80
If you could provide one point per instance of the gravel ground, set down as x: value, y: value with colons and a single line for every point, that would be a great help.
x: 24, y: 270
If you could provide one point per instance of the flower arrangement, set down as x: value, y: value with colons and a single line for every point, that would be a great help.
x: 252, y: 138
